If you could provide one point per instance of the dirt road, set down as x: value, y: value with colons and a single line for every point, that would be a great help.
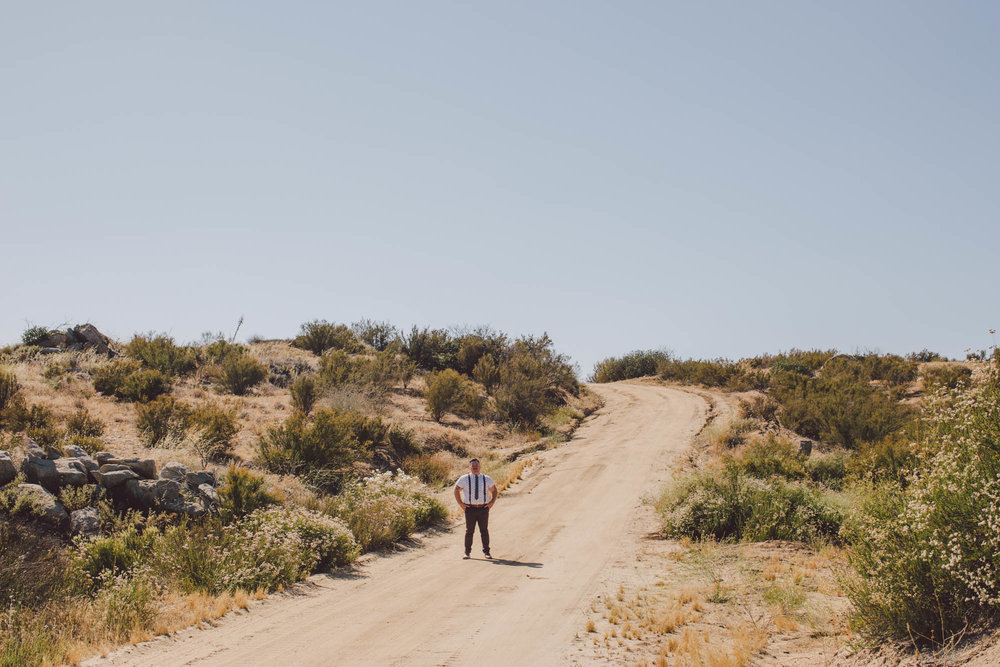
x: 554, y: 533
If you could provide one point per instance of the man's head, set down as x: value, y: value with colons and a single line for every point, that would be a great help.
x: 474, y: 466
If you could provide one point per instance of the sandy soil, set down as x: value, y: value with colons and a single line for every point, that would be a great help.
x: 556, y: 535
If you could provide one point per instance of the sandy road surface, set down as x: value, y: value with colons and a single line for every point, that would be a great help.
x: 553, y: 535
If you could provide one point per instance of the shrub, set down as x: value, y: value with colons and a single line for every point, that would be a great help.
x: 104, y: 557
x: 444, y: 391
x: 242, y: 492
x: 324, y: 448
x: 759, y: 406
x: 949, y: 376
x: 216, y: 427
x: 927, y: 555
x: 924, y: 356
x: 891, y: 459
x: 34, y: 335
x: 772, y: 456
x: 487, y: 373
x: 34, y: 567
x: 89, y: 444
x: 304, y: 394
x: 162, y: 420
x: 219, y: 350
x: 384, y: 508
x: 639, y: 363
x: 126, y: 381
x: 829, y: 469
x: 319, y: 336
x: 731, y: 505
x: 39, y: 423
x: 128, y: 605
x: 10, y: 389
x: 431, y: 349
x: 376, y: 334
x: 78, y: 497
x: 239, y: 374
x: 711, y: 373
x: 159, y: 352
x: 82, y: 424
x: 533, y: 381
x: 429, y: 468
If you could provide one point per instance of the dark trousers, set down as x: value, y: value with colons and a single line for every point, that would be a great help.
x: 480, y: 515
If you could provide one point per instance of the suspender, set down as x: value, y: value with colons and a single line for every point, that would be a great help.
x: 468, y: 486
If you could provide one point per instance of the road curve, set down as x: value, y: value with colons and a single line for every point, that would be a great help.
x: 554, y: 533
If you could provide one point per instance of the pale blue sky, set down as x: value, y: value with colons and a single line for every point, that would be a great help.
x: 721, y: 179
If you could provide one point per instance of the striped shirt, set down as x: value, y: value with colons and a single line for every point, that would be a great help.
x: 476, y: 488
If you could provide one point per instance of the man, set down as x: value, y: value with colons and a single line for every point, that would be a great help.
x: 476, y: 493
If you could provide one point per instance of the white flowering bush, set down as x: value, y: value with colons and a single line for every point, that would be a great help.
x: 384, y: 508
x: 730, y: 504
x: 926, y: 552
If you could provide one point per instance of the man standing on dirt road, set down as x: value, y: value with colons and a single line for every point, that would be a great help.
x: 476, y: 494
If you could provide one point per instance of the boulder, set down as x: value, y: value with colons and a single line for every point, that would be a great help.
x: 71, y: 472
x: 85, y: 522
x: 175, y: 471
x: 76, y: 451
x: 80, y: 337
x: 104, y: 457
x: 161, y: 494
x: 7, y: 470
x: 52, y: 453
x: 47, y: 507
x: 31, y: 448
x: 41, y: 471
x: 143, y: 467
x: 111, y: 475
x: 196, y: 479
x: 209, y: 497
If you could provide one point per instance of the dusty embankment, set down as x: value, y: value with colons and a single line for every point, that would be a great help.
x: 554, y: 536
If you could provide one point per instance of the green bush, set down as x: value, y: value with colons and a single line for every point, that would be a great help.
x: 87, y: 443
x: 159, y: 352
x: 734, y: 506
x: 949, y: 376
x: 127, y: 381
x: 639, y: 363
x: 710, y: 373
x: 216, y: 427
x: 925, y: 355
x: 319, y: 336
x: 487, y: 373
x: 242, y: 492
x: 103, y: 557
x: 81, y: 423
x: 162, y: 420
x: 759, y: 406
x: 444, y: 391
x: 829, y: 470
x: 34, y: 335
x: 323, y: 448
x: 772, y: 456
x: 385, y: 508
x: 219, y: 350
x: 927, y: 554
x: 378, y: 335
x: 373, y: 375
x: 239, y: 374
x: 304, y: 394
x: 429, y: 468
x: 431, y: 349
x: 891, y: 459
x: 39, y: 423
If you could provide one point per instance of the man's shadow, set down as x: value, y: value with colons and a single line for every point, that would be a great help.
x: 504, y: 561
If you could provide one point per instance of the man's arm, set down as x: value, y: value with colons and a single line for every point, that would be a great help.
x: 494, y: 492
x: 458, y: 496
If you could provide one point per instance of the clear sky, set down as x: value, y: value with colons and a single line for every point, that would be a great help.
x: 721, y: 179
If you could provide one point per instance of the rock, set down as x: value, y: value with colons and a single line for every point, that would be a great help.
x: 175, y: 471
x: 80, y: 337
x: 161, y: 494
x: 41, y: 471
x: 31, y: 449
x: 7, y: 470
x: 71, y: 472
x: 806, y: 447
x: 76, y: 451
x: 115, y: 474
x: 145, y: 468
x: 209, y: 497
x: 104, y: 457
x: 85, y: 522
x: 48, y: 508
x: 196, y: 479
x: 52, y: 453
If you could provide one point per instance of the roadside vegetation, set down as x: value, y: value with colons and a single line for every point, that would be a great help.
x: 891, y: 461
x: 314, y: 450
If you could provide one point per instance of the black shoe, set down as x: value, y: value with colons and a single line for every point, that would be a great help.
x: 487, y: 554
x: 466, y: 556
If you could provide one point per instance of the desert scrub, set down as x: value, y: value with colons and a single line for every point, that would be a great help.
x: 444, y: 391
x: 639, y: 363
x: 34, y: 335
x: 385, y: 508
x: 378, y: 335
x: 731, y: 505
x: 927, y: 554
x: 81, y: 423
x: 318, y: 336
x: 162, y: 421
x: 243, y: 492
x: 950, y: 376
x: 304, y: 394
x: 159, y: 352
x: 432, y: 469
x: 238, y: 374
x: 127, y: 381
x: 323, y: 448
x: 215, y: 426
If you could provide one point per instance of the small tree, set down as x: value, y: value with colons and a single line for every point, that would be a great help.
x: 444, y: 391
